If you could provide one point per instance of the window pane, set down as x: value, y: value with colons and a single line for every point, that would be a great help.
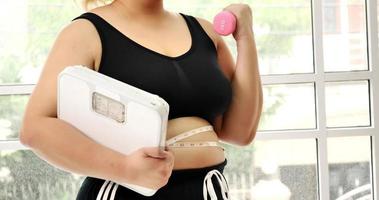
x: 344, y: 39
x: 347, y: 104
x: 273, y: 170
x: 349, y: 167
x: 26, y: 39
x: 283, y: 31
x: 11, y: 114
x: 288, y: 106
x: 24, y: 176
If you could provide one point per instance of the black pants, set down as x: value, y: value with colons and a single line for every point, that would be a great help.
x: 184, y: 184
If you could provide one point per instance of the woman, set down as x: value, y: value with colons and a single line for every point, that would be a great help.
x: 178, y: 57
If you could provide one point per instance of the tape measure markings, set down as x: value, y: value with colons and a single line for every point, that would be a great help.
x: 188, y: 134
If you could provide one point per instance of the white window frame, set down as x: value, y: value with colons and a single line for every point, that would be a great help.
x: 321, y: 134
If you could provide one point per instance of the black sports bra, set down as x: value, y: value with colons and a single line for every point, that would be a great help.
x: 192, y: 83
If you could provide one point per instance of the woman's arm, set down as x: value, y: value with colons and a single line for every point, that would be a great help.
x: 240, y: 121
x: 65, y: 146
x: 54, y: 140
x: 238, y: 125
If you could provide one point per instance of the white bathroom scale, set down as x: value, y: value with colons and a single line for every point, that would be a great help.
x: 112, y: 113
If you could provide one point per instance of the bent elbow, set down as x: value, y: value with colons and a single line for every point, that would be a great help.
x: 27, y: 135
x: 250, y: 139
x: 246, y: 140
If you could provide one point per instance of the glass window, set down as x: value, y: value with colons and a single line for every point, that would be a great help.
x: 344, y: 39
x: 275, y: 169
x: 347, y: 103
x: 24, y: 176
x: 288, y: 106
x: 11, y: 113
x: 284, y: 36
x: 349, y: 168
x: 26, y: 39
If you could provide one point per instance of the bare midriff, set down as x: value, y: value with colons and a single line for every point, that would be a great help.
x: 194, y: 157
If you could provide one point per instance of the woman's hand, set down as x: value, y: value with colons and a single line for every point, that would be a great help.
x: 148, y: 167
x: 244, y: 18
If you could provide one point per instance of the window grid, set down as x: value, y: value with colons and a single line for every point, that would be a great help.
x: 318, y: 55
x: 16, y: 89
x: 309, y: 78
x: 372, y: 30
x: 321, y: 133
x: 11, y: 145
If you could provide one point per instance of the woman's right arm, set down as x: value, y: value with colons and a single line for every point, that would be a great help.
x: 65, y: 146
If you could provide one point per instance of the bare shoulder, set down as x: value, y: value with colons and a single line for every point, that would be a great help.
x: 82, y: 37
x: 74, y: 45
x: 208, y: 28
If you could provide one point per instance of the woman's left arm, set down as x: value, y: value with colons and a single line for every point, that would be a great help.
x: 238, y: 125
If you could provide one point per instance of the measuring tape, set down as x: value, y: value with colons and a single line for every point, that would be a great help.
x: 188, y: 134
x: 196, y: 144
x: 173, y: 142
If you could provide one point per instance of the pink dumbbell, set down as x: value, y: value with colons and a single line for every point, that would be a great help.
x: 224, y: 23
